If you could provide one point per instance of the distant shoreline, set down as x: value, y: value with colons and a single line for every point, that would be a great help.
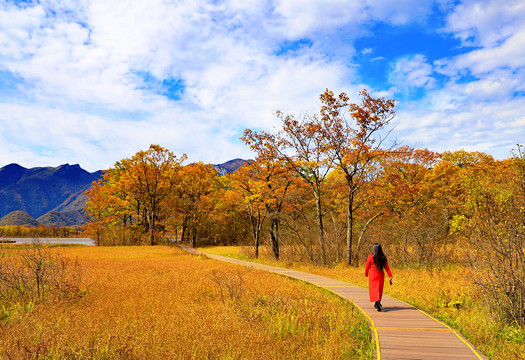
x: 72, y: 240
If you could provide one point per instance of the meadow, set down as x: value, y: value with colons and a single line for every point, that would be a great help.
x: 446, y: 293
x: 161, y: 303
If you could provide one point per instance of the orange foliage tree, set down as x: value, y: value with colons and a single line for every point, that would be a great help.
x: 492, y: 219
x: 314, y: 145
x: 244, y: 180
x: 264, y: 184
x: 196, y: 183
x: 355, y: 143
x: 301, y: 144
x: 135, y: 192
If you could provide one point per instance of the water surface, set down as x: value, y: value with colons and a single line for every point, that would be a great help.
x: 78, y: 241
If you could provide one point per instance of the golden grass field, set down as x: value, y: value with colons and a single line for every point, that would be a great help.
x: 161, y: 303
x: 447, y: 294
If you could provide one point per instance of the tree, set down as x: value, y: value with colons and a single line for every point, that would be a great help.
x: 264, y: 185
x: 493, y: 221
x: 245, y: 180
x: 197, y: 182
x: 151, y: 176
x: 411, y: 194
x: 278, y: 182
x: 355, y: 143
x: 301, y: 144
x: 229, y: 223
x: 98, y: 209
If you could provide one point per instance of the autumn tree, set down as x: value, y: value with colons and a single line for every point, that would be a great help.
x: 151, y: 176
x: 278, y: 180
x: 301, y: 143
x: 354, y: 138
x: 245, y: 180
x: 228, y: 221
x: 411, y: 194
x: 99, y: 210
x: 110, y: 208
x: 264, y: 184
x: 493, y: 221
x: 462, y: 158
x: 196, y: 183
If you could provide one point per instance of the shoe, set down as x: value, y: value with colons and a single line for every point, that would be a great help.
x: 375, y: 304
x: 379, y: 306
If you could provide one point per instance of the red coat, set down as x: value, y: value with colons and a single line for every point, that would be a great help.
x: 376, y: 280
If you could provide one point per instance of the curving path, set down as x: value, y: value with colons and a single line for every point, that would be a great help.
x: 400, y: 331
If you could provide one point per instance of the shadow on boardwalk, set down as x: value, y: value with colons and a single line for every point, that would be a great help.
x: 401, y: 331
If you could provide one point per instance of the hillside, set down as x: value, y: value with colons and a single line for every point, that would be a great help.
x: 40, y: 190
x: 230, y: 166
x: 65, y: 218
x: 18, y: 218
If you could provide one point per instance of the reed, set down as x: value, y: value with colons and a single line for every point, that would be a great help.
x: 161, y: 303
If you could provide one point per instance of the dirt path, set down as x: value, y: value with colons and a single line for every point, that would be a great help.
x: 400, y: 331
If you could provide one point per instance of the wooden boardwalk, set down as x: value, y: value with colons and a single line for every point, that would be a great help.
x: 400, y: 331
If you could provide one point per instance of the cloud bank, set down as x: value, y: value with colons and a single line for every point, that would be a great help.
x: 94, y: 81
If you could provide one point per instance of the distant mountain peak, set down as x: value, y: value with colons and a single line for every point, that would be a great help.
x: 12, y: 166
x: 67, y: 166
x: 230, y: 166
x: 70, y: 170
x: 18, y: 218
x: 10, y: 173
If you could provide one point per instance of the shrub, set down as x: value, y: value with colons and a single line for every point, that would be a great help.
x: 36, y: 273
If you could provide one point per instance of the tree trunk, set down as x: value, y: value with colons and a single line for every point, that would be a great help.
x: 256, y: 230
x: 184, y: 227
x: 151, y: 225
x: 194, y: 234
x: 349, y: 227
x: 320, y: 226
x: 194, y: 225
x: 274, y: 237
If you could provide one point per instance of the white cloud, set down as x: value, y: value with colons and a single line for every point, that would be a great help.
x: 92, y: 72
x: 478, y: 106
x: 489, y: 127
x: 40, y: 135
x: 486, y: 23
x: 412, y: 71
x: 231, y: 80
x: 497, y: 29
x: 302, y: 18
x: 400, y: 12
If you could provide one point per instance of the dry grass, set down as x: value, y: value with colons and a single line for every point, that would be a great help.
x: 160, y: 303
x: 447, y: 294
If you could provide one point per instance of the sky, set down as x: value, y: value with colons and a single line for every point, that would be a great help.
x: 91, y: 82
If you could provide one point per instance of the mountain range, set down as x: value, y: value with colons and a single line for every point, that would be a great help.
x: 51, y: 195
x: 54, y: 196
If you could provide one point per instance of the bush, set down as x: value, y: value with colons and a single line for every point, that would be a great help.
x: 36, y: 273
x: 496, y: 231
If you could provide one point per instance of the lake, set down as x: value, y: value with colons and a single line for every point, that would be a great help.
x: 78, y: 241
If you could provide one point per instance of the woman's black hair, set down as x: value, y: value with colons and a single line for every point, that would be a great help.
x: 379, y: 257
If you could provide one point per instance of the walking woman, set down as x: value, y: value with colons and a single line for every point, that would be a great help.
x: 375, y: 264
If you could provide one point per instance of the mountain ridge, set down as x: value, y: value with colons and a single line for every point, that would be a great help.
x: 39, y: 190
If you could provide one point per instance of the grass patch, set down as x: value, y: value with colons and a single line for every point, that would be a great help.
x: 161, y: 303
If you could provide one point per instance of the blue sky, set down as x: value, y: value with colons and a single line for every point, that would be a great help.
x: 94, y: 81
